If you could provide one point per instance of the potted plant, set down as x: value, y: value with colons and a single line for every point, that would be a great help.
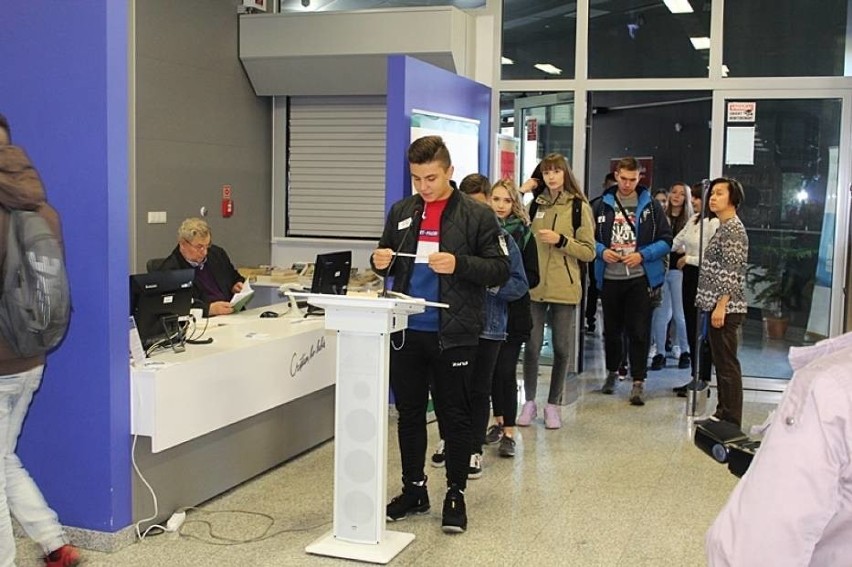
x: 771, y: 284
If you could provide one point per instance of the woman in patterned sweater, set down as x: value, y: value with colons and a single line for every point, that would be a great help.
x: 721, y: 295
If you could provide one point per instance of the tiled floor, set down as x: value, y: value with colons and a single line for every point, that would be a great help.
x: 616, y: 486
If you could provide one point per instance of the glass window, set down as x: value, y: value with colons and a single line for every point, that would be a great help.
x: 538, y: 39
x: 639, y: 39
x: 348, y: 5
x: 785, y: 38
x: 544, y: 123
x: 789, y: 211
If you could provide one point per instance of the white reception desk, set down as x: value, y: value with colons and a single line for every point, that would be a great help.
x: 262, y: 385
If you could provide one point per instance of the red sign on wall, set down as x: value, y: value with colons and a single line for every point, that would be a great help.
x: 532, y: 129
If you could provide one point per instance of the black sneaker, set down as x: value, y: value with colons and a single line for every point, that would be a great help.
x: 454, y: 519
x: 658, y: 362
x: 494, y: 434
x: 506, y: 448
x: 439, y: 458
x: 413, y: 500
x: 684, y: 361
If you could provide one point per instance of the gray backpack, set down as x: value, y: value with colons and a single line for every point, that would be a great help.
x: 35, y: 304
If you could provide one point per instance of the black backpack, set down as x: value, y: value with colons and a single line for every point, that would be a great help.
x: 35, y: 305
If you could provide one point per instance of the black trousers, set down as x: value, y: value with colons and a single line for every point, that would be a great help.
x: 481, y: 380
x: 627, y: 309
x: 504, y: 389
x: 690, y: 311
x: 729, y: 376
x: 420, y: 359
x: 591, y: 297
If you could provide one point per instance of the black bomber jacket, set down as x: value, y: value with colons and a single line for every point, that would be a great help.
x: 469, y: 231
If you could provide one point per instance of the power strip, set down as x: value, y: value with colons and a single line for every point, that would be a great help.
x: 175, y: 522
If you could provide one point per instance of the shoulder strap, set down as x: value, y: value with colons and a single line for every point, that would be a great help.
x: 626, y: 217
x: 576, y: 214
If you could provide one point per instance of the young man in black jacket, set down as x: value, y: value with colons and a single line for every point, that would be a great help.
x: 457, y: 252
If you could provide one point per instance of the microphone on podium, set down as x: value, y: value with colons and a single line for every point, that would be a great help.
x: 417, y: 212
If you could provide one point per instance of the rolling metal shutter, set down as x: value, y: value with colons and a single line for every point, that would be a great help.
x: 336, y: 167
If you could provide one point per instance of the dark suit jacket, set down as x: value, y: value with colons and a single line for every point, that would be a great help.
x: 218, y: 261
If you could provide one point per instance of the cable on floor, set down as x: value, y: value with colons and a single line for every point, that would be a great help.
x: 216, y: 539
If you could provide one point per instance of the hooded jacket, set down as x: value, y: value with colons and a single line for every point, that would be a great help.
x: 20, y: 188
x: 559, y: 265
x: 653, y: 238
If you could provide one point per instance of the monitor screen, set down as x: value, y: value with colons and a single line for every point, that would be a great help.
x: 331, y: 275
x: 157, y: 299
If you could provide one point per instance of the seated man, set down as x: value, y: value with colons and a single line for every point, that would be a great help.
x: 216, y: 279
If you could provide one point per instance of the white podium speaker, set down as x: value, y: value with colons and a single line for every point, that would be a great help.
x: 363, y: 326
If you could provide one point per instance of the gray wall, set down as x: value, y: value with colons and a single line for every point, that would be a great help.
x: 199, y: 125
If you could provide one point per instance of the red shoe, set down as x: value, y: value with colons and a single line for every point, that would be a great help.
x: 65, y: 556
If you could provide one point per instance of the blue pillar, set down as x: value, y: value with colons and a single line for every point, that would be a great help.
x: 65, y: 92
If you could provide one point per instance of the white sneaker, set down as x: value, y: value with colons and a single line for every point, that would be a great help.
x: 475, y: 468
x: 675, y: 354
x: 652, y: 352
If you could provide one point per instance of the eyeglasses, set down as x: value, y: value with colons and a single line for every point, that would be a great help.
x: 198, y: 247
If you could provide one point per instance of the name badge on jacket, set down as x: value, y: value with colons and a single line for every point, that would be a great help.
x: 403, y: 224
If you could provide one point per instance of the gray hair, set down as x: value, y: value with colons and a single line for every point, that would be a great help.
x: 193, y: 228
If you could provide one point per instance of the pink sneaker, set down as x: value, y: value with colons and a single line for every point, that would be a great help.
x: 528, y: 413
x: 552, y: 420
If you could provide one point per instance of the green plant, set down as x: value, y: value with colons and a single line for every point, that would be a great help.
x: 773, y: 280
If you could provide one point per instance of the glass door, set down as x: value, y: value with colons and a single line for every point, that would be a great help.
x: 544, y: 124
x: 790, y: 151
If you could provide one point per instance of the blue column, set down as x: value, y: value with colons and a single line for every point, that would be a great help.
x: 65, y: 93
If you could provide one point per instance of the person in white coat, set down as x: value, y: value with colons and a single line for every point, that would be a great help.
x: 794, y: 504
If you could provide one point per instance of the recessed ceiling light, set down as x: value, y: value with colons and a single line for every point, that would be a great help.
x: 548, y: 68
x: 678, y: 6
x: 506, y: 61
x: 700, y: 42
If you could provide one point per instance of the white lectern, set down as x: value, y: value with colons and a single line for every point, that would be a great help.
x: 363, y: 326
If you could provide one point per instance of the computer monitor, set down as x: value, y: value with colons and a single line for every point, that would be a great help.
x: 157, y: 300
x: 331, y: 275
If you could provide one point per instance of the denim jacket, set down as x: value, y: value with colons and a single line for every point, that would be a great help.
x: 495, y: 314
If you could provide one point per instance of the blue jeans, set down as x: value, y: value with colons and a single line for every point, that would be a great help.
x: 18, y: 493
x: 670, y: 308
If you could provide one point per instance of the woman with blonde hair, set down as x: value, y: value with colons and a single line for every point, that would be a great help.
x: 506, y: 202
x: 563, y: 226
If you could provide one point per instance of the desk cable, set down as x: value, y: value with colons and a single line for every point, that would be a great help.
x: 398, y: 348
x: 179, y: 519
